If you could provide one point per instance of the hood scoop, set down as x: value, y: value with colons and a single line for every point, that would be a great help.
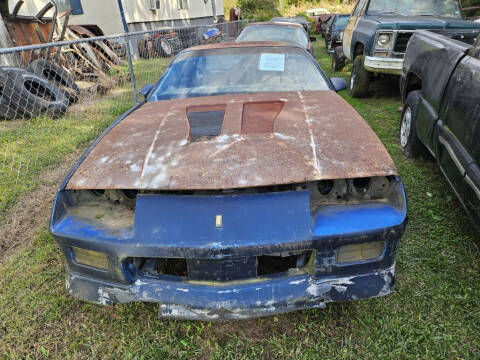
x: 205, y: 121
x: 259, y: 117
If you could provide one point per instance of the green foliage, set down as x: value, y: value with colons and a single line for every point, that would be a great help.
x: 259, y: 10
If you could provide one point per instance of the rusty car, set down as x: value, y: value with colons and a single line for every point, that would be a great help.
x: 289, y: 32
x: 233, y: 194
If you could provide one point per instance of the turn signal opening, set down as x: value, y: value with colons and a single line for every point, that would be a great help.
x: 360, y: 252
x: 90, y: 258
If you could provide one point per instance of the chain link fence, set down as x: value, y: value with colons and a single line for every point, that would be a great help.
x: 57, y: 98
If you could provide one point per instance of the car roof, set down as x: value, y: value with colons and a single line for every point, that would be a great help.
x: 246, y: 44
x: 277, y: 23
x: 298, y: 19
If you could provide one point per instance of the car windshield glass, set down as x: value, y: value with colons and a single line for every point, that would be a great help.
x: 341, y: 22
x: 289, y: 34
x: 448, y: 8
x: 238, y: 71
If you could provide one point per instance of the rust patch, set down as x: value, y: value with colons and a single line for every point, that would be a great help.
x: 246, y: 44
x: 259, y: 117
x: 24, y: 31
x: 317, y: 136
x: 277, y: 23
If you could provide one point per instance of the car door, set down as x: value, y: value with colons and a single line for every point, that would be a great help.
x: 351, y: 25
x: 457, y: 131
x: 328, y: 32
x: 472, y: 178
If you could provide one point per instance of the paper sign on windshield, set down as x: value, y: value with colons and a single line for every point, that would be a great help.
x: 272, y: 62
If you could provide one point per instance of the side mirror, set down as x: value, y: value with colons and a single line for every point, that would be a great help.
x: 146, y: 90
x: 339, y: 84
x: 313, y: 38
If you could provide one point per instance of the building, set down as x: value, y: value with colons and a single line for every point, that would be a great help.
x: 139, y: 14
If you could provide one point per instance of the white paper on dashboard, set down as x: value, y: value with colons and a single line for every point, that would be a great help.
x: 272, y: 62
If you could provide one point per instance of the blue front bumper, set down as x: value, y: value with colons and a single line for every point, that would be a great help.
x: 253, y: 226
x: 236, y: 301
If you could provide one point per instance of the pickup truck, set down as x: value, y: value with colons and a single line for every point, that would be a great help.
x: 440, y: 88
x: 378, y: 31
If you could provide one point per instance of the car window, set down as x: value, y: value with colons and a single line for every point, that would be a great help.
x: 288, y: 34
x: 340, y: 22
x: 449, y: 8
x: 239, y: 70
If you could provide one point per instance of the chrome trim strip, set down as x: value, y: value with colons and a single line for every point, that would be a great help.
x: 473, y: 186
x: 454, y: 157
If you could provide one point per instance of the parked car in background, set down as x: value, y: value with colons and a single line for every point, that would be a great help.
x: 440, y: 86
x: 291, y: 33
x: 325, y: 25
x: 334, y: 33
x: 378, y: 31
x: 243, y: 186
x: 320, y: 22
x: 295, y: 20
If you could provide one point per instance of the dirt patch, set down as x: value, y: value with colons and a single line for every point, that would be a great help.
x: 32, y: 211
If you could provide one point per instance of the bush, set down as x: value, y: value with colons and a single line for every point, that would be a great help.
x: 260, y: 10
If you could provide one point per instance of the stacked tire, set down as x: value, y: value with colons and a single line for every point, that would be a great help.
x: 43, y: 88
x: 56, y: 75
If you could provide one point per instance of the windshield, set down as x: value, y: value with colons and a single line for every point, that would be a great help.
x: 341, y: 22
x: 288, y: 34
x: 237, y: 71
x: 415, y: 7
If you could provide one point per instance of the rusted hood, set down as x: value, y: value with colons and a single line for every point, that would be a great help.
x: 265, y: 139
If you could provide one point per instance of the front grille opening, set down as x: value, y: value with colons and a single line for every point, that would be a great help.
x: 402, y: 42
x: 156, y: 267
x: 268, y: 265
x: 219, y: 270
x: 176, y: 267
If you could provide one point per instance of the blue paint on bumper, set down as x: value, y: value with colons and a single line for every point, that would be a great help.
x: 237, y: 301
x: 255, y: 226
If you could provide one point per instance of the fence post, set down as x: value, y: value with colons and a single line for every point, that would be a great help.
x: 132, y: 72
x: 129, y: 52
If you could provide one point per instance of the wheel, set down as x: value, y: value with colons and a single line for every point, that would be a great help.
x: 338, y: 59
x: 143, y: 48
x: 359, y: 79
x: 163, y: 47
x: 409, y: 141
x: 57, y: 75
x: 26, y: 95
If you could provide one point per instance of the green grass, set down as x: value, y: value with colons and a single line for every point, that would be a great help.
x: 433, y: 314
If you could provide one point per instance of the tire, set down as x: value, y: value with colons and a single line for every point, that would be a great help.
x: 57, y: 75
x: 143, y: 48
x: 409, y: 142
x: 163, y: 47
x: 27, y: 95
x: 360, y: 79
x: 338, y: 59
